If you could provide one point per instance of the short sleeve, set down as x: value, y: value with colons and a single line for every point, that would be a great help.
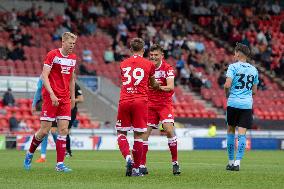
x: 170, y: 73
x: 256, y: 81
x: 230, y: 72
x: 48, y: 61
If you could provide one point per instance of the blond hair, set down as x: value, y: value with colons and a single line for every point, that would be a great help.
x: 67, y: 35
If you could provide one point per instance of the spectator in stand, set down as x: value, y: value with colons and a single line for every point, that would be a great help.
x: 266, y: 58
x: 280, y: 69
x: 50, y: 15
x: 3, y: 51
x: 90, y: 27
x: 260, y: 37
x: 8, y: 98
x: 109, y: 55
x: 87, y: 56
x: 12, y: 21
x: 196, y: 82
x: 221, y: 80
x: 15, y: 53
x: 13, y: 123
x: 261, y: 85
x: 25, y: 38
x: 60, y: 30
x: 122, y: 32
x: 275, y: 8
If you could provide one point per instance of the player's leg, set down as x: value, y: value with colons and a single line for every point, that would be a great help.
x: 167, y: 118
x: 37, y: 139
x: 230, y: 146
x: 142, y: 166
x: 63, y: 118
x: 44, y: 143
x: 153, y: 121
x: 137, y: 152
x: 42, y: 158
x: 123, y: 125
x: 54, y: 131
x: 61, y: 145
x: 139, y: 112
x: 68, y: 139
x: 245, y: 122
x: 231, y: 118
x: 47, y: 116
x: 172, y: 143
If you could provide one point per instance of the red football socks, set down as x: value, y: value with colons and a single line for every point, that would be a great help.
x: 144, y: 154
x: 172, y: 143
x: 123, y: 145
x: 137, y: 152
x: 35, y: 143
x: 60, y: 148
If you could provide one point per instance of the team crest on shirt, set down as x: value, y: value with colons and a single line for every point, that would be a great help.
x: 160, y: 74
x: 170, y: 115
x: 44, y: 113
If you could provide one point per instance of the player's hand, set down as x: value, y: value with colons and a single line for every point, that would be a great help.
x: 73, y: 101
x: 54, y: 99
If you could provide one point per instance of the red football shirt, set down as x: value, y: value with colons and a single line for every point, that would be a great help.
x: 135, y: 74
x: 61, y: 71
x: 162, y: 73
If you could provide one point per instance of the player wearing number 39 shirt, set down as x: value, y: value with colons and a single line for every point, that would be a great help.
x: 240, y: 86
x: 136, y: 74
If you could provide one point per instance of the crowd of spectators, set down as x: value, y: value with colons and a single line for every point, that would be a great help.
x: 168, y: 23
x: 239, y: 22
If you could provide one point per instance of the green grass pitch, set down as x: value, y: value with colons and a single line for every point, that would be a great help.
x: 105, y: 170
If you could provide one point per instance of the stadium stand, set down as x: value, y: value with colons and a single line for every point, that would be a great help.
x: 115, y: 23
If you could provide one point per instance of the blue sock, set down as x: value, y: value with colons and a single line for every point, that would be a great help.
x: 44, y: 145
x: 54, y: 135
x: 231, y: 146
x: 241, y: 147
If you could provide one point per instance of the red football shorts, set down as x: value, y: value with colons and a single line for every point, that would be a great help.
x: 50, y: 112
x: 132, y: 115
x: 162, y: 113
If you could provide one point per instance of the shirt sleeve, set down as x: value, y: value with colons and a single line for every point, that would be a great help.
x: 256, y: 81
x: 230, y: 72
x: 37, y: 95
x: 48, y: 61
x: 170, y: 73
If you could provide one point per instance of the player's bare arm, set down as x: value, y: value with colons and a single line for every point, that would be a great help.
x: 46, y: 83
x: 170, y: 85
x: 227, y: 86
x: 154, y: 84
x: 72, y: 90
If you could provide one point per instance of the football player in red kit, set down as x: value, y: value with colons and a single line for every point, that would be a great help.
x: 160, y: 107
x: 136, y: 73
x: 58, y: 95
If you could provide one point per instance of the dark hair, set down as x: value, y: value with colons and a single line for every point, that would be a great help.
x: 137, y: 44
x: 243, y: 49
x: 156, y: 47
